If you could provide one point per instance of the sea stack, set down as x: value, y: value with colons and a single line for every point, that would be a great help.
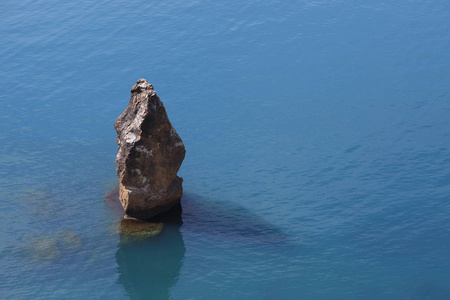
x: 149, y: 156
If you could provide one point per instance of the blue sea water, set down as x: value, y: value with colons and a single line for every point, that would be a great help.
x: 317, y: 136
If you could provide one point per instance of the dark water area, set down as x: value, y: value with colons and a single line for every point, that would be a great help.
x: 317, y: 138
x: 150, y: 267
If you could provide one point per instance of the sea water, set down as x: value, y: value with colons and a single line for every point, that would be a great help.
x: 317, y: 137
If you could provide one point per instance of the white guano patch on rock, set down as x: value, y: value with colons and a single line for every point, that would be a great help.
x: 130, y: 137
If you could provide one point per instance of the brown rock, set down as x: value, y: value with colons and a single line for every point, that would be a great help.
x: 133, y: 228
x: 149, y: 155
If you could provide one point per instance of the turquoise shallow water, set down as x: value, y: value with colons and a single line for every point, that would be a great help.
x: 317, y: 137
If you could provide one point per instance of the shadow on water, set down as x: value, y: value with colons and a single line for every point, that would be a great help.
x: 149, y: 267
x: 228, y: 220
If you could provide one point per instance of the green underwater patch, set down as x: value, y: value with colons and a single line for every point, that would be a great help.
x: 136, y: 229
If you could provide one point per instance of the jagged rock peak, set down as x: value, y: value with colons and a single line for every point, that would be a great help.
x: 149, y: 155
x: 141, y: 85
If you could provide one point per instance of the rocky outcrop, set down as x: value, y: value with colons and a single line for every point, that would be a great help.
x: 149, y: 155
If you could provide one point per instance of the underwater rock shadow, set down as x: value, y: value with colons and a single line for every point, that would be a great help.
x: 229, y: 220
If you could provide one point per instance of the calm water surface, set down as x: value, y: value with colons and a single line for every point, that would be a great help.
x: 317, y: 137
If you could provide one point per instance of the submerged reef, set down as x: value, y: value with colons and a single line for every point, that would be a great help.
x: 49, y: 248
x: 150, y: 153
x: 136, y: 229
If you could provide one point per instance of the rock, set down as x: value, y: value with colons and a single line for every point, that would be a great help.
x: 69, y: 240
x: 133, y: 228
x: 44, y: 249
x: 149, y: 155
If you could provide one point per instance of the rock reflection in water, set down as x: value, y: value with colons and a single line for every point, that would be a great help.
x: 149, y: 267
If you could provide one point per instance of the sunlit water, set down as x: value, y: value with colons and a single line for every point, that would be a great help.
x: 317, y: 137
